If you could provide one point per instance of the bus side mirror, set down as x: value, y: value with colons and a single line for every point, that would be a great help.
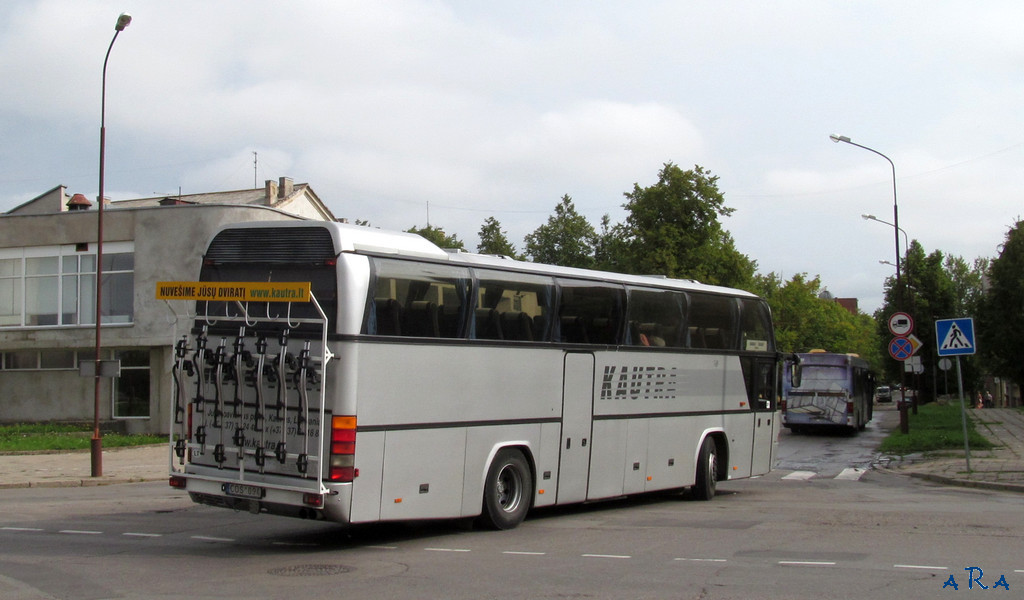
x: 795, y: 371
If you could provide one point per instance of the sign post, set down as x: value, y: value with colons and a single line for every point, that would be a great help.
x: 902, y: 347
x: 955, y: 337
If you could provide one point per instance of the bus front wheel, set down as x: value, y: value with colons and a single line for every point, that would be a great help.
x: 707, y: 471
x: 507, y: 491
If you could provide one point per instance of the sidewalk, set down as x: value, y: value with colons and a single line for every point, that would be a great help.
x: 72, y: 469
x: 1001, y: 468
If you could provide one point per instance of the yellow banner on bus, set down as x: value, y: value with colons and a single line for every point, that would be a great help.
x: 230, y: 291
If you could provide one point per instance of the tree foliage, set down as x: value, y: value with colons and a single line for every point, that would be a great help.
x: 673, y: 229
x: 567, y: 239
x: 438, y: 237
x: 1001, y: 318
x: 805, y: 321
x: 493, y: 239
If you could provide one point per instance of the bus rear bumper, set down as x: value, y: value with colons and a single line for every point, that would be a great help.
x: 296, y: 500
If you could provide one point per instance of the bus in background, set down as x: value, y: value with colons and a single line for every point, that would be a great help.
x: 833, y: 391
x: 418, y: 383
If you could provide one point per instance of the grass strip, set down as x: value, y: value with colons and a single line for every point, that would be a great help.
x: 38, y: 437
x: 934, y: 427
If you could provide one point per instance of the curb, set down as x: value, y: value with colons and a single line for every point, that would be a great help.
x: 970, y: 483
x: 88, y: 482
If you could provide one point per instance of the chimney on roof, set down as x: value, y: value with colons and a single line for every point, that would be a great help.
x: 271, y: 194
x: 79, y: 202
x: 285, y: 188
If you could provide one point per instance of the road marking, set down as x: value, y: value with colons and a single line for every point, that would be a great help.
x: 807, y: 563
x: 145, y: 535
x: 520, y: 553
x: 382, y: 547
x: 715, y: 560
x: 605, y: 556
x: 79, y: 532
x: 930, y: 568
x: 800, y: 475
x: 206, y: 538
x: 22, y: 529
x: 851, y: 474
x: 447, y: 549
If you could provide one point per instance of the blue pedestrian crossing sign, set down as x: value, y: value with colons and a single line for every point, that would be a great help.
x: 955, y: 337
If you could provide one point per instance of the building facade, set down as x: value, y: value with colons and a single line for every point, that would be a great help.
x: 48, y: 292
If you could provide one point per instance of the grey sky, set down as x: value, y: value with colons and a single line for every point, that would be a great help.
x: 498, y: 109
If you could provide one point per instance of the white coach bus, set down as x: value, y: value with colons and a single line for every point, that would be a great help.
x: 418, y: 383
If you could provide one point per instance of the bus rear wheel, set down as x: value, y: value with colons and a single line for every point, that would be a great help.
x: 706, y: 479
x: 508, y: 490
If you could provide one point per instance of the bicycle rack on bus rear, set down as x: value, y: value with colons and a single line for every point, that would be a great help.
x: 244, y: 400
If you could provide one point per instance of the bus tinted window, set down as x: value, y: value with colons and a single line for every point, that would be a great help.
x: 417, y: 300
x: 589, y: 312
x: 712, y: 322
x: 755, y: 326
x: 655, y: 318
x: 513, y: 307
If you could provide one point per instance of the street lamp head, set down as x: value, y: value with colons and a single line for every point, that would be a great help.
x: 839, y: 138
x: 869, y: 217
x: 123, y: 21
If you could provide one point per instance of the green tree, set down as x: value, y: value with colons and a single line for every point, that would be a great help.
x: 438, y: 237
x: 1001, y: 322
x: 805, y: 320
x: 567, y: 239
x: 493, y: 240
x: 926, y: 291
x: 673, y: 229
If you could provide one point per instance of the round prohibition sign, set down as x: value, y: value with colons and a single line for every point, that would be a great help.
x: 901, y: 348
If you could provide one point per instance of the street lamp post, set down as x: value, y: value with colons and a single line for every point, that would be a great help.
x: 906, y: 238
x: 904, y: 425
x: 96, y: 446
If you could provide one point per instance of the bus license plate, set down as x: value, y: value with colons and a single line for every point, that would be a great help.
x: 241, y: 490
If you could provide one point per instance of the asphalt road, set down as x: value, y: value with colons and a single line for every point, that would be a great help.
x: 866, y: 534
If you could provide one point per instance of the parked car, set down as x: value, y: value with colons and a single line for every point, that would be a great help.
x: 883, y: 393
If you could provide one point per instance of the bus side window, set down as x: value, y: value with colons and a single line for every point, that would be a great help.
x: 417, y: 300
x: 654, y: 318
x: 590, y: 313
x: 512, y: 307
x: 712, y: 322
x: 756, y: 326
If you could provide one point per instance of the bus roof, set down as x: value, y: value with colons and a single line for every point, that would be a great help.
x: 360, y: 239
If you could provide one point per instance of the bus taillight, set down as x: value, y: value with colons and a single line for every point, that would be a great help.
x: 343, y: 449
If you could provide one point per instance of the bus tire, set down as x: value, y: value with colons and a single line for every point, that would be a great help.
x: 508, y: 490
x: 707, y: 470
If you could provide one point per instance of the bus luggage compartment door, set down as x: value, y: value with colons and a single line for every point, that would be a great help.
x: 577, y: 419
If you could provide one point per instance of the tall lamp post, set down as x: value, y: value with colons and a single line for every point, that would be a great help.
x: 906, y: 238
x: 96, y: 447
x: 904, y: 425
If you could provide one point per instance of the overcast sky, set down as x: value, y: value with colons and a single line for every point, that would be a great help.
x: 499, y: 108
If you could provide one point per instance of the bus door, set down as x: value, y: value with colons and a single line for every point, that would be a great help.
x: 577, y: 419
x: 763, y: 395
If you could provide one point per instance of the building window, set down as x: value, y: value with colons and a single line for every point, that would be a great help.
x: 53, y: 286
x: 34, y: 360
x: 131, y: 388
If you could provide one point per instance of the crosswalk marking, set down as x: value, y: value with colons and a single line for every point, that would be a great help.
x: 800, y: 475
x: 851, y: 474
x: 848, y: 474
